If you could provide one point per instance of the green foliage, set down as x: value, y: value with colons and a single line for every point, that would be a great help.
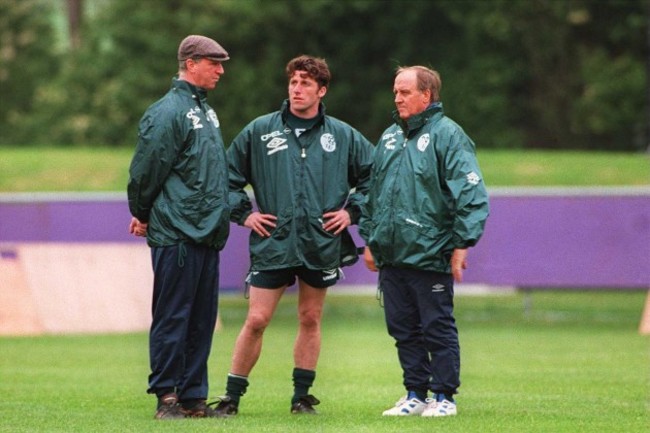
x: 516, y: 74
x: 27, y: 57
x: 556, y: 74
x: 540, y: 362
x: 604, y: 107
x: 126, y: 62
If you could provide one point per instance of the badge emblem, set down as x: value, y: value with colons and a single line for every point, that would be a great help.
x: 328, y: 142
x: 423, y: 142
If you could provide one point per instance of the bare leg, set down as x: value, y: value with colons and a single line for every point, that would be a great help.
x: 310, y: 311
x: 261, y: 306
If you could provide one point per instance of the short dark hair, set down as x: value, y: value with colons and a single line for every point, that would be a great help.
x: 315, y: 67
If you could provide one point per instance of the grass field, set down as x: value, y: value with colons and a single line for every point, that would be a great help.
x: 559, y: 362
x: 540, y: 362
x: 27, y: 169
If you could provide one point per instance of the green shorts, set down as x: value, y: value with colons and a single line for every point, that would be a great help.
x: 286, y: 277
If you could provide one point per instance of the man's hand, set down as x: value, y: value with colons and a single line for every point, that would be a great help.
x: 258, y: 222
x: 336, y: 221
x: 138, y: 228
x: 458, y: 263
x: 369, y: 260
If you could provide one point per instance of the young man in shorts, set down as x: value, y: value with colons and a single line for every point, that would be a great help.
x: 302, y: 166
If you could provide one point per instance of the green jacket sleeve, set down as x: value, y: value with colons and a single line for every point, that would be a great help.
x: 156, y: 150
x: 465, y: 182
x: 366, y: 207
x: 238, y: 177
x: 359, y: 174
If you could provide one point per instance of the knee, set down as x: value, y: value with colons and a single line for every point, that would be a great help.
x: 256, y: 323
x: 310, y: 318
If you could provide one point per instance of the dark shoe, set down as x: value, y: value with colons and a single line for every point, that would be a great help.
x: 168, y: 408
x: 198, y: 409
x: 305, y: 405
x: 225, y: 407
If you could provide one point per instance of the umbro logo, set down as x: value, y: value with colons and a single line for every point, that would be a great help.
x: 473, y: 178
x: 438, y: 288
x: 276, y: 145
x: 330, y: 274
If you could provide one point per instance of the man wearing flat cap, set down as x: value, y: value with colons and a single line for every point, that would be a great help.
x: 195, y: 46
x: 178, y: 197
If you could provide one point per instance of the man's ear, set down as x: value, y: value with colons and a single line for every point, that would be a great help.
x: 427, y: 94
x: 322, y: 91
x: 190, y: 64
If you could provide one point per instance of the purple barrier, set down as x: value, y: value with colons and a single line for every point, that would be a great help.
x: 576, y: 238
x: 42, y: 218
x: 580, y: 238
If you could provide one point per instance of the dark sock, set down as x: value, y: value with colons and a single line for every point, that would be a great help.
x: 444, y: 396
x: 236, y: 387
x: 302, y: 381
x: 420, y: 395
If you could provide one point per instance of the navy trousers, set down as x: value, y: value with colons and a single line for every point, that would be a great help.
x: 419, y: 310
x: 184, y: 313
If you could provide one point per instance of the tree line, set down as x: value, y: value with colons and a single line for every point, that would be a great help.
x: 570, y: 74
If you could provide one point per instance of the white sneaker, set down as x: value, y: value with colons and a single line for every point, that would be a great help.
x: 406, y: 407
x: 439, y: 408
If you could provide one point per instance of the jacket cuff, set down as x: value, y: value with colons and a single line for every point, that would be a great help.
x: 242, y: 219
x: 461, y: 243
x: 355, y: 213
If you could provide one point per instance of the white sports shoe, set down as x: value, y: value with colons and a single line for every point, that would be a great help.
x: 406, y: 407
x: 439, y: 408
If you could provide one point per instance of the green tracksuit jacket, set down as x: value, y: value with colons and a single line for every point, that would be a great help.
x: 427, y: 195
x: 298, y: 179
x: 178, y: 179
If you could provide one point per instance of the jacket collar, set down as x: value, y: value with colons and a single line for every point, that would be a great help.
x: 284, y: 109
x: 417, y: 121
x: 197, y: 93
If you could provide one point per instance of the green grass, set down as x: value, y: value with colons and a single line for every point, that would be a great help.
x: 29, y: 169
x: 540, y: 362
x: 563, y: 168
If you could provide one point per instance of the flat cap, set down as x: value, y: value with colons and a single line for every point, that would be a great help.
x: 201, y: 46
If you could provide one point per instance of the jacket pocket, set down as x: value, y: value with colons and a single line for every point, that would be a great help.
x: 275, y: 250
x: 417, y: 243
x: 321, y: 249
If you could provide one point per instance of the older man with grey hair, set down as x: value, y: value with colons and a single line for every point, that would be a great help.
x: 178, y: 196
x: 427, y: 205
